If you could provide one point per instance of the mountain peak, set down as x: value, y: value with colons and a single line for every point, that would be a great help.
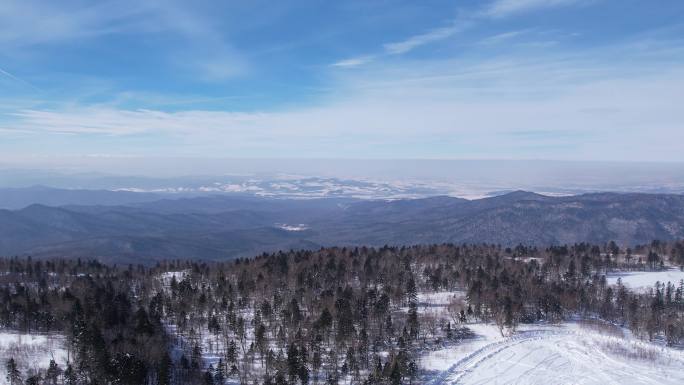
x: 520, y: 195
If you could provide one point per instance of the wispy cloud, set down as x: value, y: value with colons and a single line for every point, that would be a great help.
x: 116, y: 122
x: 505, y: 36
x: 425, y: 38
x: 353, y: 62
x: 495, y: 10
x: 18, y: 80
x: 66, y: 21
x: 199, y: 47
x: 450, y: 110
x: 488, y: 102
x: 504, y: 8
x: 407, y: 45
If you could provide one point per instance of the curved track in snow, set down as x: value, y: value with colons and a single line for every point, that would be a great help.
x: 558, y: 357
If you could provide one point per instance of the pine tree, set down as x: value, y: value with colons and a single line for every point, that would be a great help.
x: 413, y: 320
x: 220, y: 373
x: 13, y: 375
x: 395, y: 374
x: 412, y: 371
x: 411, y: 291
x: 208, y: 377
x: 231, y: 353
x: 165, y: 368
x: 70, y: 376
x: 234, y: 372
x: 53, y: 372
x: 292, y: 362
x: 303, y: 374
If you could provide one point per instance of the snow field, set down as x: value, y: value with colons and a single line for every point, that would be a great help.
x: 564, y: 354
x: 569, y: 353
x: 643, y: 280
x: 31, y: 351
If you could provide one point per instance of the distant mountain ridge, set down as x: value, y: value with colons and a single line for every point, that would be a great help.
x: 217, y: 227
x: 126, y: 190
x: 17, y: 198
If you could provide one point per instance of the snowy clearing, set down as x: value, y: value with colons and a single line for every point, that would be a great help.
x: 565, y: 354
x: 31, y: 351
x: 167, y: 277
x: 438, y: 299
x: 642, y: 280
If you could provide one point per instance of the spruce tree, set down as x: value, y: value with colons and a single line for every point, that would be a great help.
x: 220, y: 373
x: 164, y: 371
x: 53, y: 372
x: 13, y: 375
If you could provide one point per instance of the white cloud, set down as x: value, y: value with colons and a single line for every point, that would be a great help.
x: 425, y: 38
x: 496, y: 9
x: 116, y: 122
x: 504, y: 8
x: 353, y: 62
x: 585, y: 105
x: 17, y: 80
x: 505, y: 36
x: 30, y: 22
x: 199, y: 46
x: 507, y: 108
x: 404, y: 46
x: 499, y: 8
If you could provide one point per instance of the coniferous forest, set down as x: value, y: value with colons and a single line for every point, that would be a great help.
x: 332, y: 316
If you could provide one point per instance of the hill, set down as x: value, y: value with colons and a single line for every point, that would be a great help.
x: 220, y: 227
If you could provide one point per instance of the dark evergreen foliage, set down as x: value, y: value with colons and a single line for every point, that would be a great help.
x: 314, y: 317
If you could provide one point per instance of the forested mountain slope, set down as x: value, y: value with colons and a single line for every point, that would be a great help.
x: 362, y: 316
x: 228, y: 226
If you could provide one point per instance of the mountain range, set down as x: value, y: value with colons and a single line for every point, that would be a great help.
x: 144, y: 229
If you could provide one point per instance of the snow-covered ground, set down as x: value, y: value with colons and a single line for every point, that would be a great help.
x: 442, y: 359
x: 438, y: 299
x: 31, y: 351
x: 641, y: 280
x: 167, y: 277
x: 569, y: 353
x: 564, y: 354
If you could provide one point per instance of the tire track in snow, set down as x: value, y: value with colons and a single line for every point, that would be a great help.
x: 470, y: 362
x: 566, y: 356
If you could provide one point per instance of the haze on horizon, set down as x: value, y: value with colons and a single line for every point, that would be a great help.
x: 100, y: 86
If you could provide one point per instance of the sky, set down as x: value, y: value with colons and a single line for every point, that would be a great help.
x: 572, y: 80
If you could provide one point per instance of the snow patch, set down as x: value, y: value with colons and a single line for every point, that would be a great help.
x: 546, y: 354
x: 31, y: 351
x: 643, y: 280
x: 298, y: 227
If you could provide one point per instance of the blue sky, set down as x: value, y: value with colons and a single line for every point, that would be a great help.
x: 498, y: 79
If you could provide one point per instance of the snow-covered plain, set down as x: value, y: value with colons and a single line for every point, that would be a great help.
x: 31, y: 351
x: 547, y: 354
x: 642, y: 280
